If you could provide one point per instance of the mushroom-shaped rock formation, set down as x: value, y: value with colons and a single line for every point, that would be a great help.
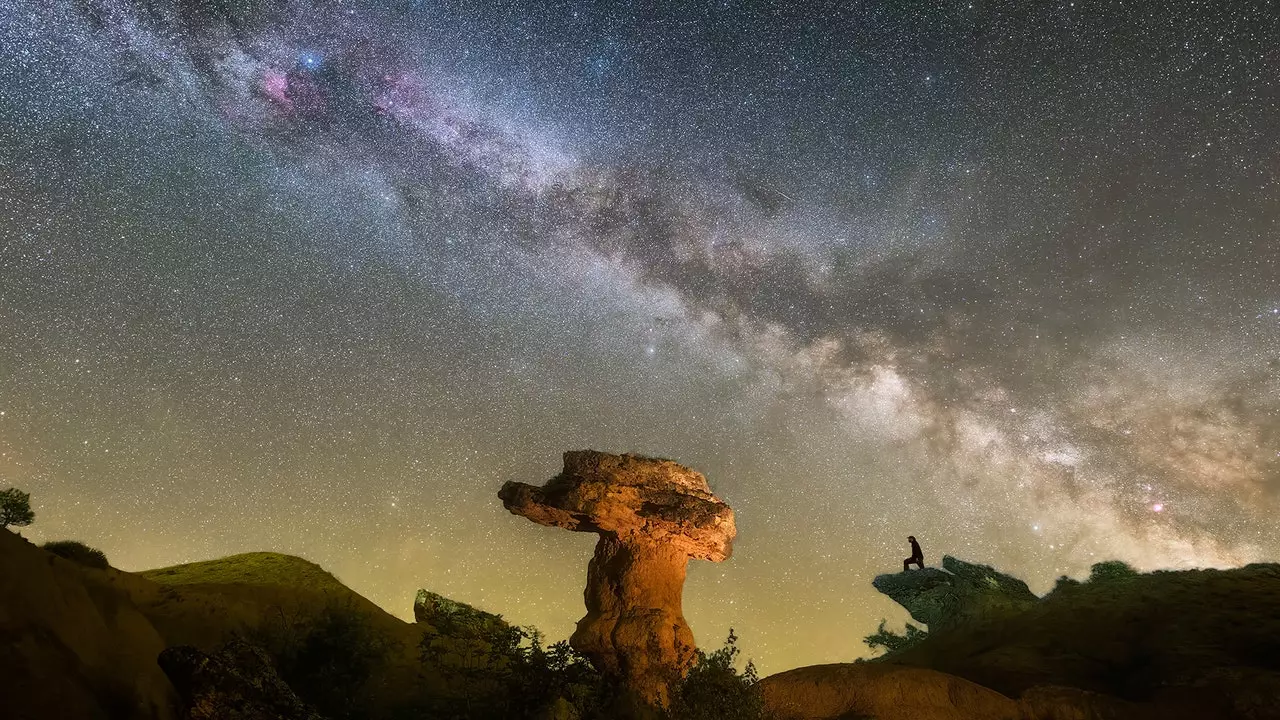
x: 941, y: 598
x: 652, y: 516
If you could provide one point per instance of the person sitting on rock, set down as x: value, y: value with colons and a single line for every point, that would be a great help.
x: 917, y: 556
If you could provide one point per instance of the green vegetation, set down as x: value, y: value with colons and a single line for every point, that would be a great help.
x: 490, y: 669
x: 715, y: 690
x: 1111, y: 570
x: 891, y: 642
x: 258, y: 568
x: 15, y: 508
x: 78, y: 552
x: 493, y: 670
x: 1108, y: 571
x: 329, y: 660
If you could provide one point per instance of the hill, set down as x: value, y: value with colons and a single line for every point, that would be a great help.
x: 255, y: 568
x: 81, y: 642
x: 1208, y: 639
x: 1198, y: 644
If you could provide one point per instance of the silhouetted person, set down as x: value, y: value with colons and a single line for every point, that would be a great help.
x: 917, y: 557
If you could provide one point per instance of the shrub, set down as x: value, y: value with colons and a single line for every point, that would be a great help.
x: 78, y: 552
x: 15, y: 508
x: 892, y: 642
x: 715, y: 690
x: 1111, y: 570
x: 490, y: 669
x: 1064, y: 584
x: 327, y: 662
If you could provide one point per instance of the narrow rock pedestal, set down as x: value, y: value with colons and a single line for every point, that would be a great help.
x: 652, y: 516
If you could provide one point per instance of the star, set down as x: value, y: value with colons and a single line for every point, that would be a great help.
x: 942, y: 270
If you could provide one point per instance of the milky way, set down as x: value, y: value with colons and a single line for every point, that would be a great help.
x: 318, y: 277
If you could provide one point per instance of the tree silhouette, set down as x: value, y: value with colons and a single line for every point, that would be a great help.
x: 15, y: 508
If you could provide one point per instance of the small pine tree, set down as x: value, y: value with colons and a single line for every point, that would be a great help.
x: 15, y: 508
x: 715, y: 690
x: 328, y: 662
x: 890, y: 641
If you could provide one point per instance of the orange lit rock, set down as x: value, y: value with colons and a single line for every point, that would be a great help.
x: 652, y: 516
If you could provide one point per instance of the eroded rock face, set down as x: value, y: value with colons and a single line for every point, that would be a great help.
x: 942, y: 598
x: 652, y: 516
x: 239, y: 682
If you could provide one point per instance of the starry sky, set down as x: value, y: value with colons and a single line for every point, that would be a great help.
x: 317, y: 276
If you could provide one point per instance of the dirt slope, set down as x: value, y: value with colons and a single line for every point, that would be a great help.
x: 72, y: 644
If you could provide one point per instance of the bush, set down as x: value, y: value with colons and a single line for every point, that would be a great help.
x: 1064, y: 584
x: 1111, y: 570
x: 15, y: 508
x: 327, y: 662
x: 715, y: 690
x: 78, y: 552
x: 891, y: 642
x: 490, y: 669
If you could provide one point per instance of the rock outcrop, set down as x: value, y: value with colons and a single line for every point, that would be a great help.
x: 432, y: 608
x: 239, y: 682
x: 652, y: 516
x: 958, y: 592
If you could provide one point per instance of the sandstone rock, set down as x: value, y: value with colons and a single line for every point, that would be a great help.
x: 239, y: 682
x: 1248, y: 693
x: 944, y: 598
x: 430, y: 607
x: 1048, y: 702
x: 881, y: 691
x: 652, y: 516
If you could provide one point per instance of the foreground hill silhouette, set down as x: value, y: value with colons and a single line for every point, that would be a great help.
x: 1188, y: 644
x: 202, y: 641
x: 82, y: 642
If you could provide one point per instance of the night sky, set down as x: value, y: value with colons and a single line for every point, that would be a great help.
x: 317, y: 277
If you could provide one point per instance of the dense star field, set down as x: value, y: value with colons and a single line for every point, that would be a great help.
x: 317, y: 277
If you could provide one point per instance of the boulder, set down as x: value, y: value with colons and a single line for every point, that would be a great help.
x: 652, y: 515
x: 239, y: 682
x: 1050, y: 702
x: 431, y: 608
x: 881, y: 691
x: 958, y: 592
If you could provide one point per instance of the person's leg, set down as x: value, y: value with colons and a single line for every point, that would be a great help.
x: 906, y: 565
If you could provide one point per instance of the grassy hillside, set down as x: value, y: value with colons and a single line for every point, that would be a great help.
x: 290, y: 606
x: 256, y: 568
x: 279, y: 601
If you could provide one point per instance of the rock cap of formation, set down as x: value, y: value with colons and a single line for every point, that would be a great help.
x: 635, y: 498
x: 942, y: 598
